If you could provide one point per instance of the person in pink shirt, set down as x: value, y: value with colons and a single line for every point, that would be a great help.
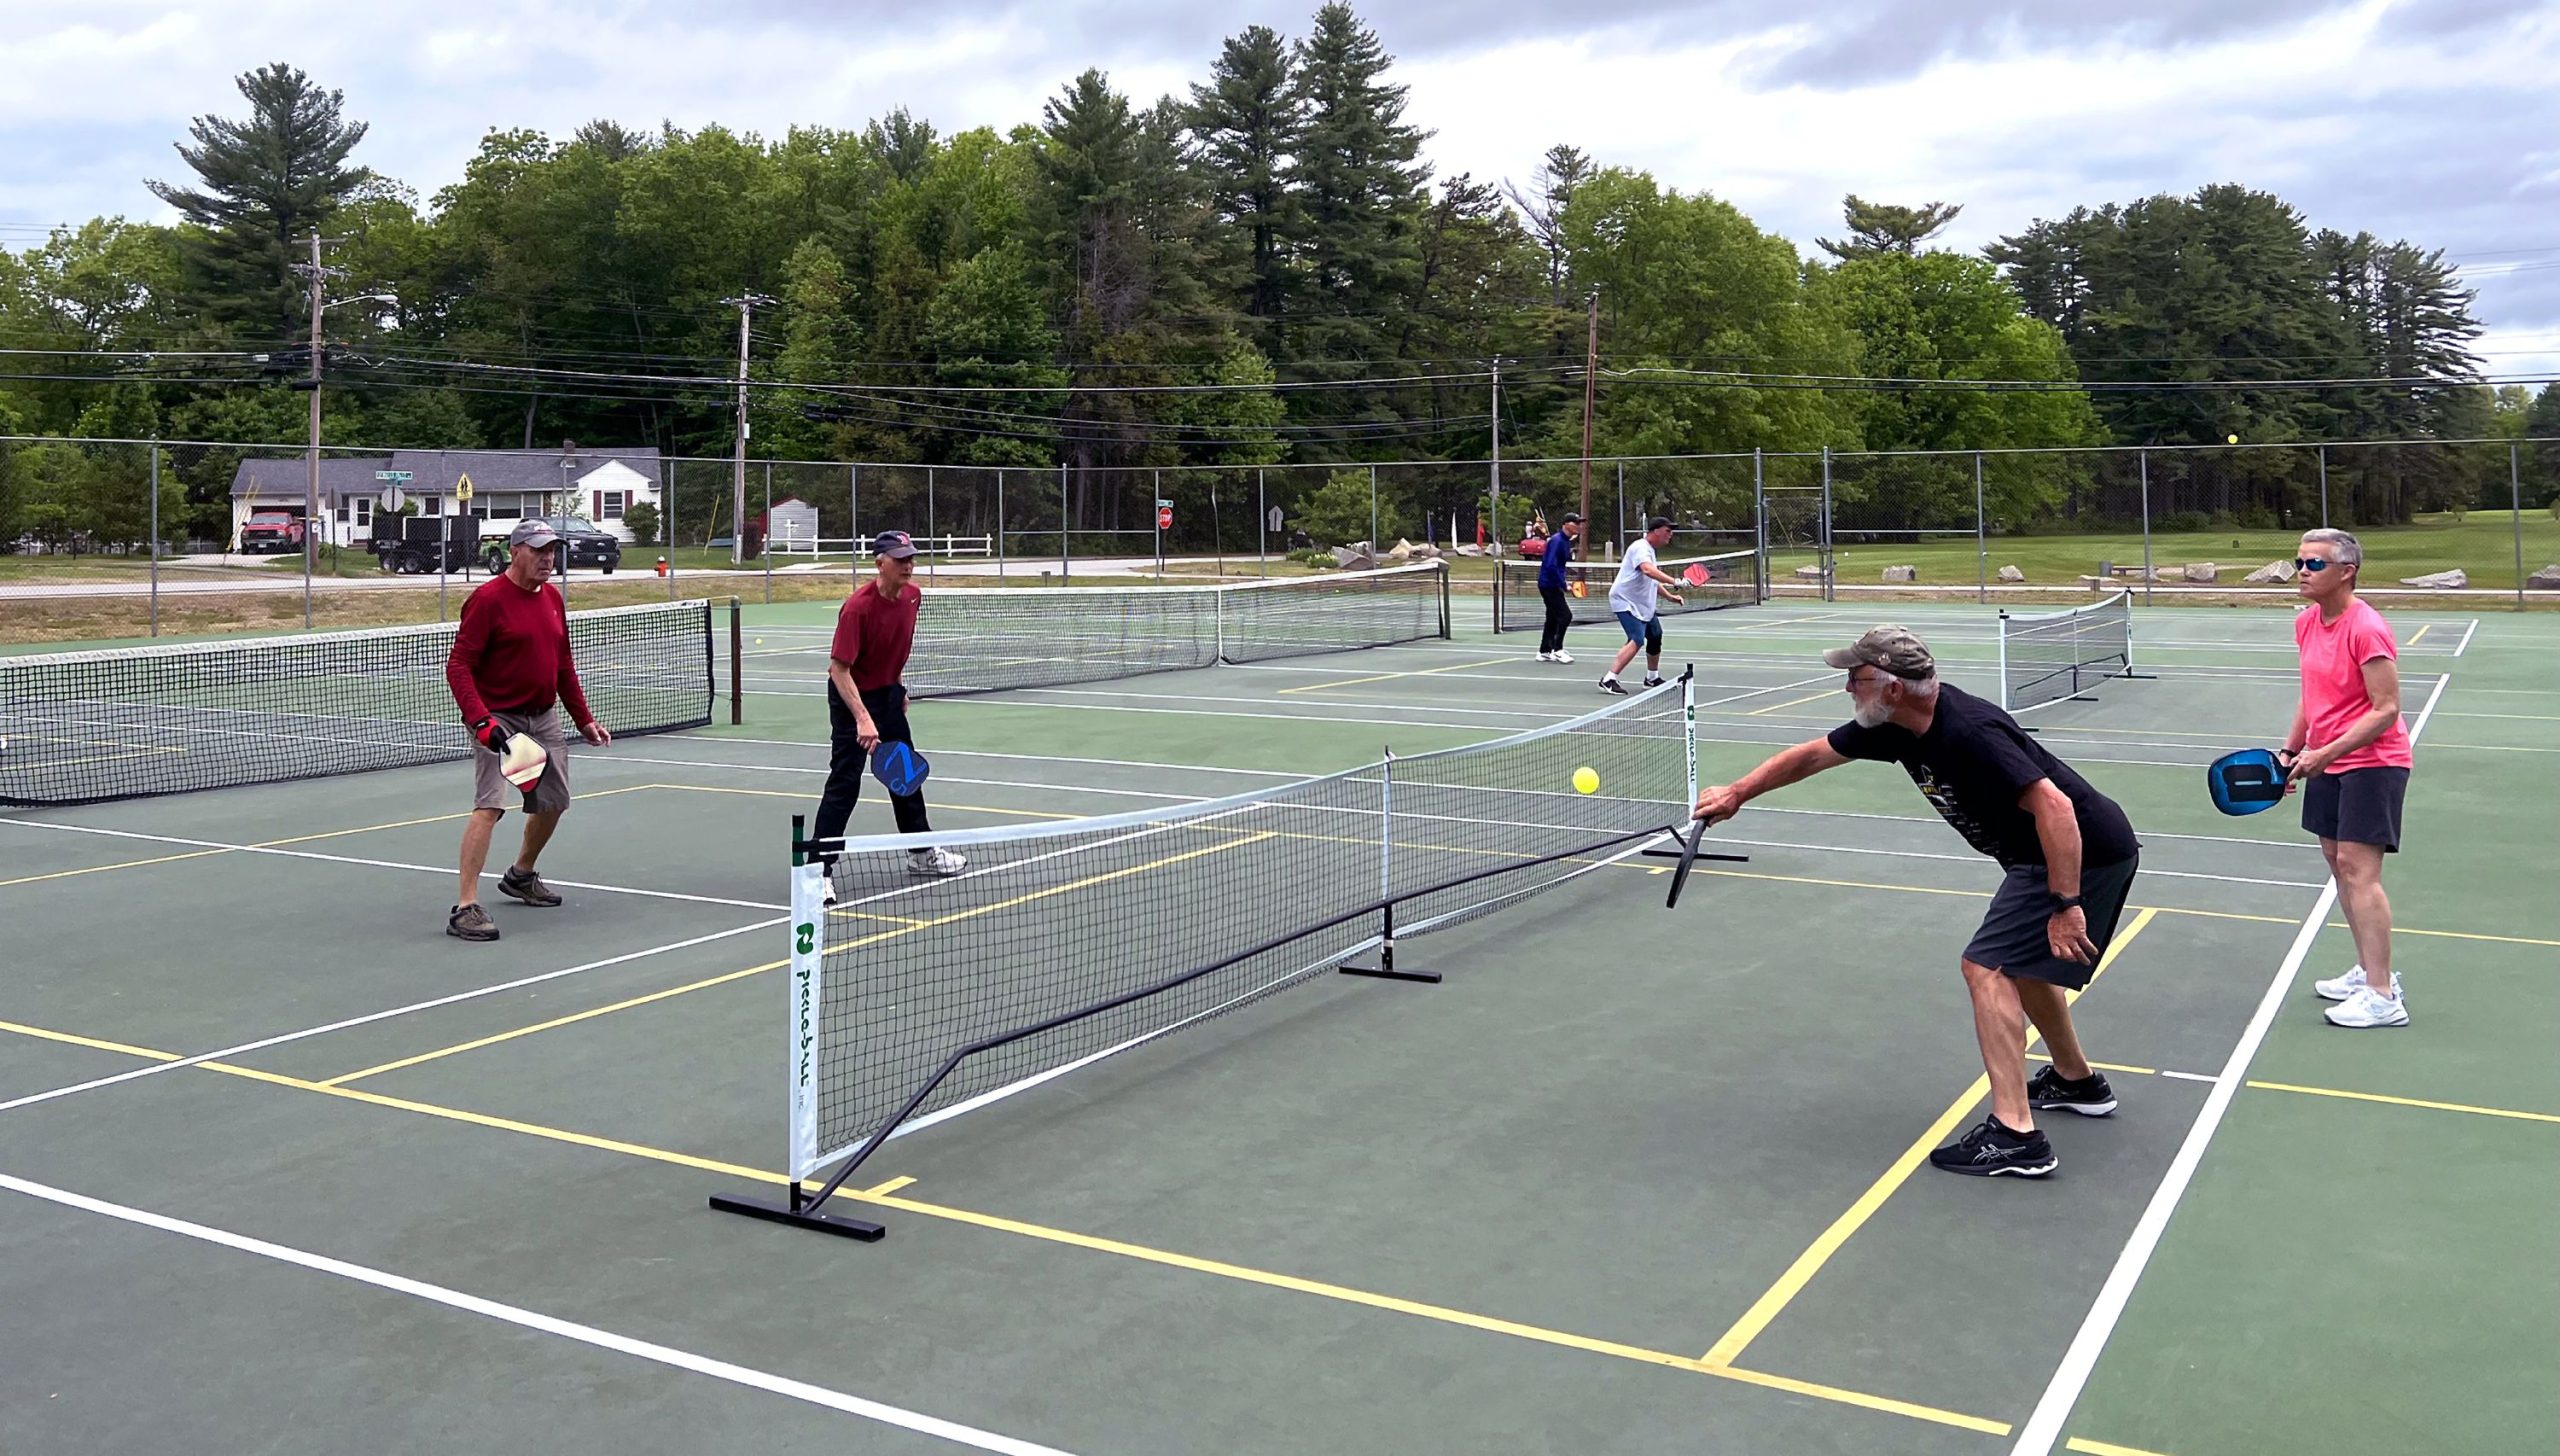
x: 2351, y: 758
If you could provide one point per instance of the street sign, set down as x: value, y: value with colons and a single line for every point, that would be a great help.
x: 400, y: 476
x: 462, y: 488
x: 1276, y: 519
x: 1163, y: 504
x: 1164, y: 517
x: 392, y: 498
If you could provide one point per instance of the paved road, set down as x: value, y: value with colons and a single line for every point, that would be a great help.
x: 217, y: 575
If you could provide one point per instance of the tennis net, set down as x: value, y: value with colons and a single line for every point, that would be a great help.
x: 1732, y: 579
x: 2050, y: 656
x: 81, y: 727
x: 914, y: 1000
x: 989, y: 640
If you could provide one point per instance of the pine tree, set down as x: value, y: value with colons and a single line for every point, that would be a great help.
x: 1359, y: 199
x: 1247, y: 122
x: 266, y: 182
x: 1562, y: 170
x: 1880, y: 227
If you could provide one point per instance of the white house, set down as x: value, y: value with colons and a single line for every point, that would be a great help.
x: 506, y: 485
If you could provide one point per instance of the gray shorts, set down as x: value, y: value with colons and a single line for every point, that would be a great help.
x: 490, y: 789
x: 2012, y: 939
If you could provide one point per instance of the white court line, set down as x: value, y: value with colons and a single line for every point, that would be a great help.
x: 771, y: 1384
x: 2465, y: 644
x: 2061, y: 1394
x: 1266, y: 773
x: 2296, y: 844
x: 2189, y: 1076
x: 156, y: 1068
x: 381, y: 864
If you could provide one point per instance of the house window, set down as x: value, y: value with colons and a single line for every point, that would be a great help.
x: 432, y: 506
x: 610, y: 504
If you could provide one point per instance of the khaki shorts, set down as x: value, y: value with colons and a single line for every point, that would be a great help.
x: 490, y: 789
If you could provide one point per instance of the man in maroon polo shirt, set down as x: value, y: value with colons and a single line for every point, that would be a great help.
x: 866, y: 702
x: 509, y: 667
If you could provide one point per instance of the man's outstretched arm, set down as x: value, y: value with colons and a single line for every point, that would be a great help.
x: 1780, y: 769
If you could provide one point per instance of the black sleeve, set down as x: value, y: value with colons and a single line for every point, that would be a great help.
x: 2004, y: 752
x: 1854, y: 740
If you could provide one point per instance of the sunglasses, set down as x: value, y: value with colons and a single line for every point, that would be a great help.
x: 2317, y: 563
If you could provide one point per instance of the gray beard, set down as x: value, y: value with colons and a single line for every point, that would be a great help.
x: 1872, y: 715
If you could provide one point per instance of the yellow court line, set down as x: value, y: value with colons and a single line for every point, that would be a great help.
x: 1775, y: 1299
x: 1383, y: 676
x: 130, y: 864
x: 91, y: 1042
x: 2101, y: 1448
x: 1793, y: 702
x: 2507, y: 1112
x: 557, y: 1021
x: 2422, y: 634
x: 885, y: 1196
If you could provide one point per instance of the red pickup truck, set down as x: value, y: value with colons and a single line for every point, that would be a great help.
x: 271, y: 531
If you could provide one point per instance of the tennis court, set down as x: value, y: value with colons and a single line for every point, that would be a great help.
x: 287, y: 1169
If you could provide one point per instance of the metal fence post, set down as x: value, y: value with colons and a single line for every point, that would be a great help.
x: 1217, y: 528
x: 1826, y: 552
x: 999, y: 527
x: 1760, y: 520
x: 1374, y: 552
x: 1981, y: 537
x: 155, y: 540
x: 1622, y: 506
x: 2142, y: 458
x: 444, y: 543
x: 1065, y: 556
x: 853, y: 520
x: 929, y: 571
x: 2515, y: 498
x: 2324, y: 485
x: 666, y: 529
x: 1155, y: 513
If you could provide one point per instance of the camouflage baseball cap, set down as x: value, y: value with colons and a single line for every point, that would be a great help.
x: 1891, y: 649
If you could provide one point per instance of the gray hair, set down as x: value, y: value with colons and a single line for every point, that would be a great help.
x: 1916, y: 687
x: 2349, y: 550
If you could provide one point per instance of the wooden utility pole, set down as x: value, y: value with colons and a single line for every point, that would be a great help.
x: 311, y: 480
x: 1590, y: 387
x: 746, y: 306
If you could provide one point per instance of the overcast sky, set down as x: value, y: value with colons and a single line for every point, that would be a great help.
x: 2432, y: 120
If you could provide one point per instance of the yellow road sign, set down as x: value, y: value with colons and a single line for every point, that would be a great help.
x: 462, y: 488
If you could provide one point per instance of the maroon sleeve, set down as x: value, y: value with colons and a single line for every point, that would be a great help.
x: 571, y: 692
x: 463, y: 662
x: 848, y: 643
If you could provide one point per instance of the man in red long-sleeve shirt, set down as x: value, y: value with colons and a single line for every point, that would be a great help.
x: 509, y: 667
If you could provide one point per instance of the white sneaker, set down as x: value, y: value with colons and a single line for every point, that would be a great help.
x: 2369, y: 1008
x: 1561, y: 656
x: 1546, y: 657
x: 2339, y: 988
x: 935, y: 862
x: 829, y: 897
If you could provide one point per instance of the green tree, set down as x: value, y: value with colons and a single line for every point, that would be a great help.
x: 1340, y: 511
x: 263, y: 184
x: 1247, y: 121
x: 1880, y: 227
x: 1359, y: 197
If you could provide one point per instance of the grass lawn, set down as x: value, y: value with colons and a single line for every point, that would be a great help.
x: 2482, y: 544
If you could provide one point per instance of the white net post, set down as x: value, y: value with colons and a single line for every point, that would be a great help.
x: 808, y: 960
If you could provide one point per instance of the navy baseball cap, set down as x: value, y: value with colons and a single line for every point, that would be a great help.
x: 893, y: 543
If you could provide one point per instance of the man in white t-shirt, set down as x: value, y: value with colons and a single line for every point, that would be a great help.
x: 1631, y: 597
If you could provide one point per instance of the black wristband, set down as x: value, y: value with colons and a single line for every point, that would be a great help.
x: 2064, y: 902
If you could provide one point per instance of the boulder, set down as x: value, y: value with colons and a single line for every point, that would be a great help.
x: 1401, y: 552
x: 1354, y: 557
x: 1902, y: 573
x: 1470, y: 549
x: 1426, y: 552
x: 2012, y: 574
x: 2547, y: 579
x: 1809, y: 573
x: 2205, y: 571
x: 2273, y: 571
x: 2439, y: 580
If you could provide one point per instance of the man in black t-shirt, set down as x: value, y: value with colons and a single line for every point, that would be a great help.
x: 2069, y: 855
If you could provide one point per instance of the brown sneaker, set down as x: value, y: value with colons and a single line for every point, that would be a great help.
x: 527, y: 886
x: 470, y: 922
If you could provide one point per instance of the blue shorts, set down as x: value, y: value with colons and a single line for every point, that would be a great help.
x: 1647, y: 630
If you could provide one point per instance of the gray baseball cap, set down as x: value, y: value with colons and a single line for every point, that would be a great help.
x: 536, y: 534
x: 1889, y: 649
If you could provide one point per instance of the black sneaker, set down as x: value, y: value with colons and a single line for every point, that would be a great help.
x: 527, y: 886
x: 1991, y: 1150
x: 1612, y: 685
x: 2090, y: 1097
x: 1653, y: 679
x: 470, y: 922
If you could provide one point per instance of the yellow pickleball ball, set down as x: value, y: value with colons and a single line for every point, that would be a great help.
x: 1585, y: 781
x: 2231, y: 439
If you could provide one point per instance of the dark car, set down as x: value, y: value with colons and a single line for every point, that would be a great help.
x: 583, y: 544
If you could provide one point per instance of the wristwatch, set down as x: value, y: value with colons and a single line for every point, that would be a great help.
x: 2064, y: 902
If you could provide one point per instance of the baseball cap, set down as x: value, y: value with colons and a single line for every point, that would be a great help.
x: 893, y: 543
x: 1570, y: 517
x: 1888, y: 648
x: 536, y: 534
x: 1658, y: 523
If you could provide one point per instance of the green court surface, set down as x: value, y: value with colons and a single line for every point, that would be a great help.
x: 284, y: 1168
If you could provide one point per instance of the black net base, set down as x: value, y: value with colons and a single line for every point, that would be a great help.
x: 83, y: 727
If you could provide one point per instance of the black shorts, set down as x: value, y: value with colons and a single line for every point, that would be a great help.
x: 2360, y: 806
x: 2012, y: 939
